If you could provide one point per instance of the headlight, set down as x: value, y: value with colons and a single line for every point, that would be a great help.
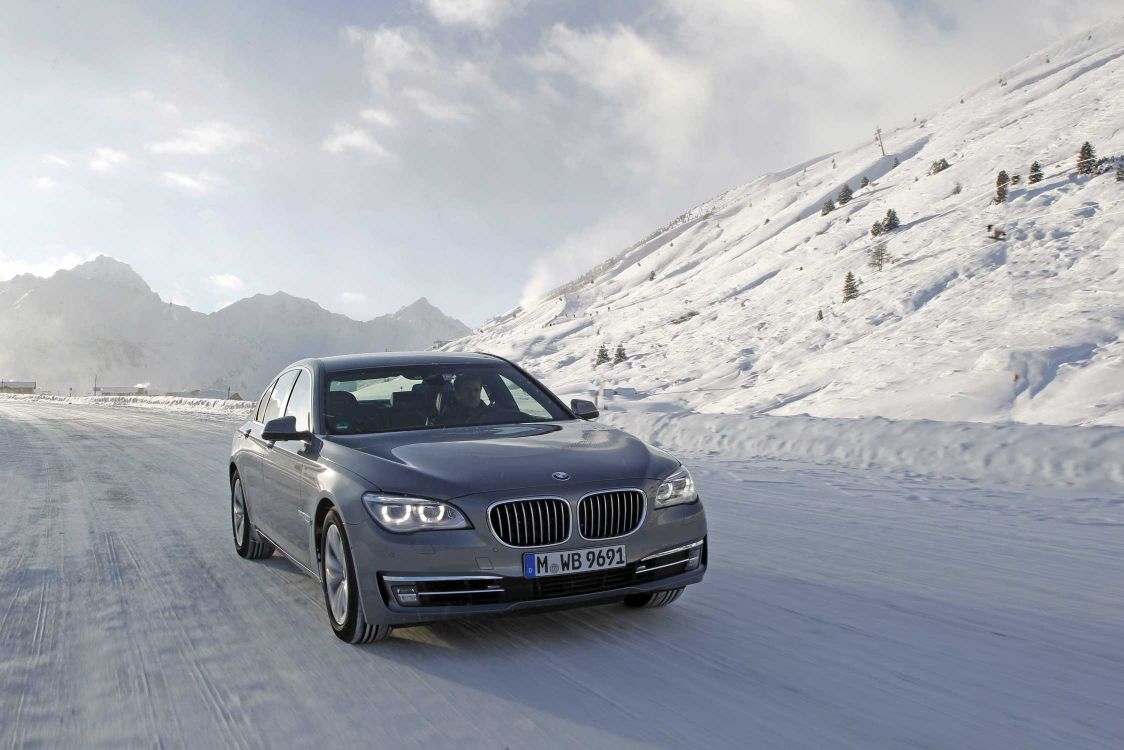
x: 677, y: 489
x: 404, y: 515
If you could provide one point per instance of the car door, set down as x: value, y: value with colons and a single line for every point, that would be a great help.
x: 265, y: 507
x: 284, y: 469
x: 248, y: 458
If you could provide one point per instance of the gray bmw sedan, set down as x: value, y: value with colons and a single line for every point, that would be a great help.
x: 426, y: 486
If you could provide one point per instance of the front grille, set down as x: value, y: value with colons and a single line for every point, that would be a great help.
x: 531, y: 523
x: 581, y: 583
x: 605, y: 515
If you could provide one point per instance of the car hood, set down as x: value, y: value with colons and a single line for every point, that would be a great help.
x: 451, y: 462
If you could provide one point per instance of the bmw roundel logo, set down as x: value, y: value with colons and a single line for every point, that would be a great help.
x: 561, y: 476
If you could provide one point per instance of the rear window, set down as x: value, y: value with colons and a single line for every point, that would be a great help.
x: 275, y: 406
x: 259, y: 414
x: 300, y: 402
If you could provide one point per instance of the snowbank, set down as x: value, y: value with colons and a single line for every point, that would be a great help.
x: 1019, y: 454
x: 1003, y: 453
x: 212, y: 406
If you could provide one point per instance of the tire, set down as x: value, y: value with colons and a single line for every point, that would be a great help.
x: 654, y: 599
x: 341, y: 592
x: 247, y: 542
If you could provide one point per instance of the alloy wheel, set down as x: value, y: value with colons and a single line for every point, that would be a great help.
x: 335, y: 573
x: 238, y: 513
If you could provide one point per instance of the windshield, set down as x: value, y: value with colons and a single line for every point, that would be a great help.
x: 412, y: 397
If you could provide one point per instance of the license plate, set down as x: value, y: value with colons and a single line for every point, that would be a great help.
x: 538, y: 565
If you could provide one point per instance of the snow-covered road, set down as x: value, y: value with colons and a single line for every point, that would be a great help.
x: 841, y: 609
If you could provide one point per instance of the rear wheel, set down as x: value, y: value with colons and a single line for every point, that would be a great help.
x: 247, y: 543
x: 341, y: 592
x: 654, y: 599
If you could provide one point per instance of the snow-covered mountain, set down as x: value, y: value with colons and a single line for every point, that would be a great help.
x: 102, y: 318
x: 720, y: 310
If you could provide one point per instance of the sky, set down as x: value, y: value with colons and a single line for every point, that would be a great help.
x: 474, y: 152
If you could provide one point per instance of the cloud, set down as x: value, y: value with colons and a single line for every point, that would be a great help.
x: 210, y: 138
x: 54, y: 160
x: 226, y: 281
x: 10, y: 267
x: 43, y: 184
x: 652, y: 98
x: 390, y: 53
x: 580, y: 251
x: 149, y: 99
x: 350, y: 138
x: 353, y: 297
x: 402, y: 65
x: 198, y: 185
x: 436, y: 108
x: 107, y: 159
x: 378, y: 117
x: 479, y: 14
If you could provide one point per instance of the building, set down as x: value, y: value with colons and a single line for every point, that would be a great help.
x: 120, y: 390
x: 17, y: 386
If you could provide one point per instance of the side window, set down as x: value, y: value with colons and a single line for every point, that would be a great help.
x: 259, y: 415
x: 276, y: 404
x: 300, y: 402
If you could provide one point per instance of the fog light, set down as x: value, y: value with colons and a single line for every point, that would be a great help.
x: 694, y: 558
x: 406, y: 595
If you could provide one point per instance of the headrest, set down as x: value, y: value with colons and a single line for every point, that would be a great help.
x: 342, y: 402
x: 407, y: 400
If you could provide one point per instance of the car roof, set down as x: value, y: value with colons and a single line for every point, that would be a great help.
x: 382, y: 359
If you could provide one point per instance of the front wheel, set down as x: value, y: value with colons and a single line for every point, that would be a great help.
x: 341, y: 592
x: 654, y: 599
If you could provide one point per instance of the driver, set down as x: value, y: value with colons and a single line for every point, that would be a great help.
x: 466, y: 406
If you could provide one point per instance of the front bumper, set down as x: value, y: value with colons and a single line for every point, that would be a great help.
x: 471, y: 573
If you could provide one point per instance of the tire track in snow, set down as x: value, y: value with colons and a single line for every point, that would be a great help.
x: 838, y: 612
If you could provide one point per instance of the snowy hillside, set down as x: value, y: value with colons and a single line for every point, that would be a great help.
x: 102, y: 318
x: 719, y: 311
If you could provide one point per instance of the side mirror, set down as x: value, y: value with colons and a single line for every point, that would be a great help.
x: 284, y: 428
x: 584, y: 409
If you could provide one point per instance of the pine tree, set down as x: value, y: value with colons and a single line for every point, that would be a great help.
x: 1120, y: 172
x: 850, y: 287
x: 819, y: 315
x: 1035, y: 173
x: 845, y: 195
x: 1001, y: 181
x: 602, y: 356
x: 864, y: 182
x: 619, y: 355
x: 1086, y: 159
x: 828, y: 207
x: 897, y: 162
x: 879, y: 256
x: 891, y: 221
x: 939, y: 165
x: 876, y: 229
